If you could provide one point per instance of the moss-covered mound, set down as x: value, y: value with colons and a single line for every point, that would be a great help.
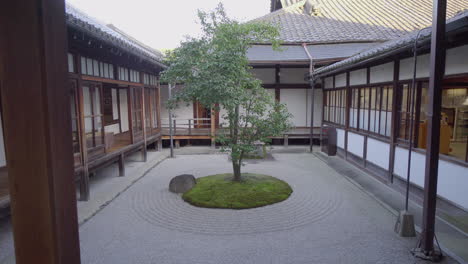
x: 220, y: 191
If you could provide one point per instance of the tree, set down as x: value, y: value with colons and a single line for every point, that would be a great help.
x: 215, y: 72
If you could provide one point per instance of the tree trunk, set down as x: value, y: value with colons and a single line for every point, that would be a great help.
x: 236, y: 162
x: 236, y: 165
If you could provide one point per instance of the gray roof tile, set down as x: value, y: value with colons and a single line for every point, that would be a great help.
x: 389, y: 46
x: 296, y: 53
x: 77, y: 18
x: 337, y: 21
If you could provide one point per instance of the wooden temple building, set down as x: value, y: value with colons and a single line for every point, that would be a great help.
x: 317, y: 33
x: 114, y: 88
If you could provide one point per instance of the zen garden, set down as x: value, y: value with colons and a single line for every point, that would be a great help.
x: 322, y: 131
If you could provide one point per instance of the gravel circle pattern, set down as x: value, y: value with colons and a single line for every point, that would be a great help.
x: 307, y: 204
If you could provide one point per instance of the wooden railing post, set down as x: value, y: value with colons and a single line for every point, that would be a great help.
x: 213, y: 128
x: 190, y: 126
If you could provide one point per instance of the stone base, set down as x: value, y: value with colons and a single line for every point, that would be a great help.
x: 404, y: 226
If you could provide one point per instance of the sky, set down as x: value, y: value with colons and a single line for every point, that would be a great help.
x: 162, y: 24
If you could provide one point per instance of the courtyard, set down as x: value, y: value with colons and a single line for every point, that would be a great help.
x: 327, y: 219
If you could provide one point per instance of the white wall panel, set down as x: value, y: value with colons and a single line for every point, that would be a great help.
x: 115, y: 107
x: 378, y: 153
x: 358, y: 77
x: 183, y: 111
x: 340, y: 80
x: 124, y: 110
x: 356, y: 144
x: 452, y: 182
x: 456, y: 63
x: 112, y: 129
x: 294, y: 75
x: 407, y: 67
x: 381, y: 73
x: 340, y: 138
x: 296, y: 102
x: 328, y: 82
x: 457, y: 60
x: 266, y: 75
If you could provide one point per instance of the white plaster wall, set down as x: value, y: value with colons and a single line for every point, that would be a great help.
x: 87, y: 109
x: 356, y: 144
x: 340, y: 138
x: 2, y: 145
x: 183, y: 112
x: 266, y: 75
x: 378, y: 152
x: 294, y: 75
x: 124, y: 110
x: 381, y: 73
x: 115, y: 107
x: 422, y: 68
x: 112, y: 129
x: 452, y: 180
x: 328, y: 82
x: 340, y: 80
x: 296, y: 102
x: 457, y: 60
x: 455, y: 63
x: 358, y: 77
x: 223, y: 121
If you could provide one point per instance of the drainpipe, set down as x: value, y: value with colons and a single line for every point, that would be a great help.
x: 312, y: 84
x: 169, y: 86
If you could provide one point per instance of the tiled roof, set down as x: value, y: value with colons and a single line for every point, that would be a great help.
x: 405, y: 42
x: 296, y: 53
x: 78, y: 19
x: 337, y: 21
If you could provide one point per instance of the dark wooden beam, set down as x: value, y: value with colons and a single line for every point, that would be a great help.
x: 436, y: 73
x: 37, y: 126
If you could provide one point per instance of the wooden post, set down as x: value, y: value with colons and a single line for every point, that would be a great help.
x: 37, y: 130
x: 121, y: 163
x: 436, y: 73
x: 144, y: 151
x: 213, y: 128
x: 160, y: 147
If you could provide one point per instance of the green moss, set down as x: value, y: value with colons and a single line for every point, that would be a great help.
x: 255, y: 190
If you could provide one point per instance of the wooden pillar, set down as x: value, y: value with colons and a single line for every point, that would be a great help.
x: 84, y: 176
x: 348, y: 110
x: 144, y: 151
x: 37, y: 131
x: 436, y: 73
x: 121, y: 163
x: 160, y: 146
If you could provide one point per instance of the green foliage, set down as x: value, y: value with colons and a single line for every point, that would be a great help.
x: 215, y: 71
x: 254, y: 190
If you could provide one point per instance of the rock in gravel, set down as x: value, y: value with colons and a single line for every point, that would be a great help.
x: 182, y: 183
